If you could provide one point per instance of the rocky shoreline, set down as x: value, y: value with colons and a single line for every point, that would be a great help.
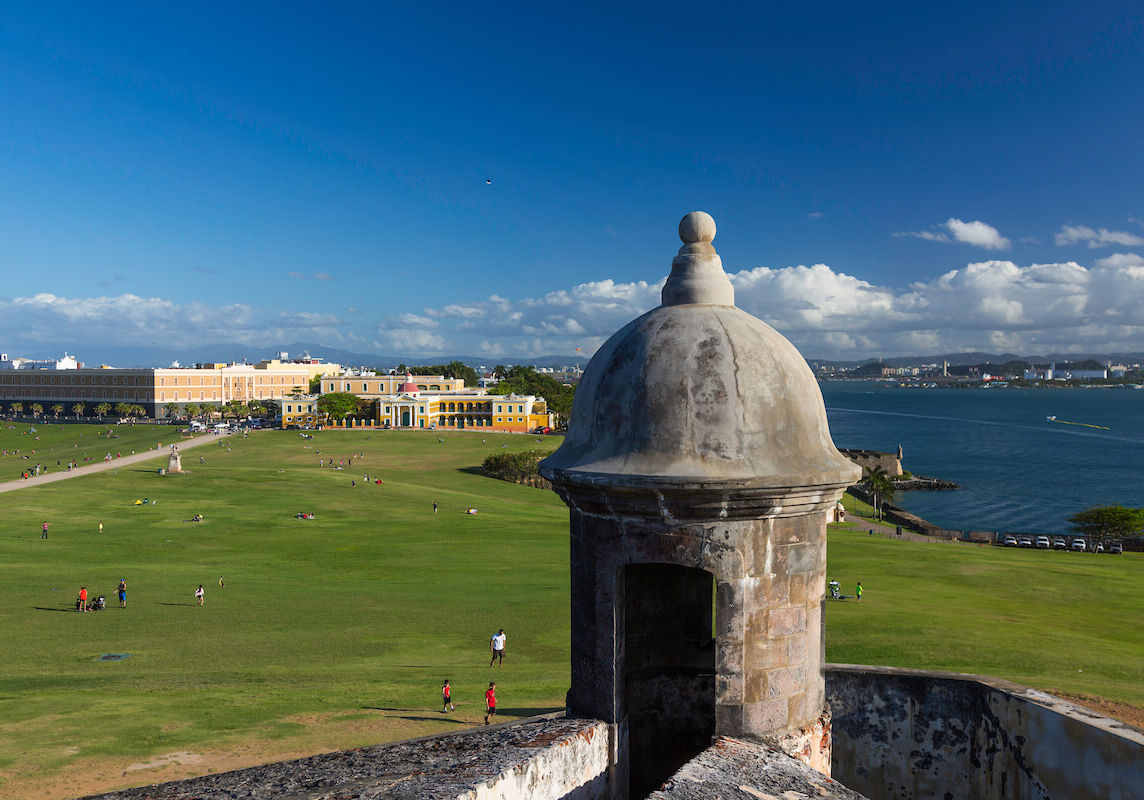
x: 923, y: 482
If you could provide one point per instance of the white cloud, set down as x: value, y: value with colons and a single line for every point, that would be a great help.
x: 131, y: 320
x: 323, y: 276
x: 1101, y: 237
x: 976, y: 233
x: 988, y: 305
x: 1120, y: 260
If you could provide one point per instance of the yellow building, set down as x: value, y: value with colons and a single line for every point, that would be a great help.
x: 155, y: 389
x: 408, y: 405
x: 300, y: 410
x: 375, y: 386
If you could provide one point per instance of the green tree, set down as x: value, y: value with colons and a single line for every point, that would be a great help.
x: 234, y: 408
x: 315, y: 384
x: 881, y: 489
x: 57, y: 409
x: 271, y: 409
x: 103, y: 408
x: 337, y: 405
x: 123, y: 409
x: 78, y: 409
x: 171, y: 409
x: 191, y: 410
x: 526, y: 380
x: 16, y: 408
x: 1108, y: 522
x: 36, y: 409
x: 500, y: 372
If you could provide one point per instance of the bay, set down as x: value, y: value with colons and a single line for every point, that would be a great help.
x: 1019, y: 472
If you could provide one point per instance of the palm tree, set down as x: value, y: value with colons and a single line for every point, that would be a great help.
x: 57, y: 409
x: 36, y: 409
x: 78, y: 409
x: 123, y: 409
x: 16, y: 408
x: 103, y: 408
x: 191, y: 410
x: 137, y: 410
x: 171, y: 409
x: 881, y: 489
x: 500, y: 372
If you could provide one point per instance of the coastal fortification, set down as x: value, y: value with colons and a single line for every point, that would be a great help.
x: 699, y: 473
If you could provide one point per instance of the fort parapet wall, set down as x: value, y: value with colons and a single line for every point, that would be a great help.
x: 871, y: 459
x: 898, y: 734
x: 923, y: 735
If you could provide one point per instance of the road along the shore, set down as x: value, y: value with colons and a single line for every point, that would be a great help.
x: 162, y: 451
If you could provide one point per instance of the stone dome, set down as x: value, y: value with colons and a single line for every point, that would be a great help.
x: 699, y: 393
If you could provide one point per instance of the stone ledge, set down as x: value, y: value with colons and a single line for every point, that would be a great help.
x: 543, y: 757
x: 737, y: 768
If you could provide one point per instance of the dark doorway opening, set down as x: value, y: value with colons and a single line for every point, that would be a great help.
x: 669, y: 669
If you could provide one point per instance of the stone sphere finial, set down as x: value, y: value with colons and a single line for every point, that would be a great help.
x: 698, y: 226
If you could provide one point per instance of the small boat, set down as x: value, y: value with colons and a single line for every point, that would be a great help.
x: 1082, y: 424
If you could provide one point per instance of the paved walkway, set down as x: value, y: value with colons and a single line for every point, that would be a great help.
x: 62, y: 474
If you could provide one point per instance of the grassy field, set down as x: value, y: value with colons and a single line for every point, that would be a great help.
x: 22, y: 445
x: 338, y: 631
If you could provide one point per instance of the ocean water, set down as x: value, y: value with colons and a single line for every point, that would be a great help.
x: 1018, y: 471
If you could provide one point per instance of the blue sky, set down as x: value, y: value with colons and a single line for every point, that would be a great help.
x: 887, y: 179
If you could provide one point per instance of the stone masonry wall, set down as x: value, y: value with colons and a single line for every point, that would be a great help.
x: 921, y: 735
x: 545, y: 758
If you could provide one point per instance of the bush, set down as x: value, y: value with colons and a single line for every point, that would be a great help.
x: 517, y: 467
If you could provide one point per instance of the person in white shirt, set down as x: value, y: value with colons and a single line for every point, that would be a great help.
x: 497, y: 645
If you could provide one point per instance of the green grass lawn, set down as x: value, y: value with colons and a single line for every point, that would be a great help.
x: 23, y: 445
x: 338, y: 631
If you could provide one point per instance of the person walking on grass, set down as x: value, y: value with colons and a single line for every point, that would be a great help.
x: 497, y: 646
x: 446, y: 697
x: 858, y: 591
x: 200, y: 595
x: 122, y: 592
x: 490, y: 702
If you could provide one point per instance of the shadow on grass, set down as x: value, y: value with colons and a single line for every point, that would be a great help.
x: 176, y: 604
x: 440, y: 718
x: 527, y: 712
x: 41, y: 608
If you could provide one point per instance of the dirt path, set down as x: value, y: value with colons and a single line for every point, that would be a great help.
x: 103, y: 466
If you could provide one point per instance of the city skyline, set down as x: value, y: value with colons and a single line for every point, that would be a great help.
x: 506, y: 183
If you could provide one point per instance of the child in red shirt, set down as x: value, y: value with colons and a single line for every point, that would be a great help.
x: 490, y: 702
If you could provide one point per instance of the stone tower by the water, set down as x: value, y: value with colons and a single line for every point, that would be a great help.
x: 699, y: 472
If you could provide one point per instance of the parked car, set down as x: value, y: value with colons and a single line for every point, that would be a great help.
x: 1010, y: 541
x: 1116, y: 548
x: 1099, y: 548
x: 1079, y: 545
x: 1060, y: 544
x: 1025, y: 541
x: 1043, y: 543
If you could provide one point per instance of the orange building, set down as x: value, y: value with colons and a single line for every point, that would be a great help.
x: 155, y: 389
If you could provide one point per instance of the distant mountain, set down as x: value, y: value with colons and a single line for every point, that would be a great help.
x: 228, y: 351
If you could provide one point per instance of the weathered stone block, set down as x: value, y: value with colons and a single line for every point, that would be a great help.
x: 786, y: 621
